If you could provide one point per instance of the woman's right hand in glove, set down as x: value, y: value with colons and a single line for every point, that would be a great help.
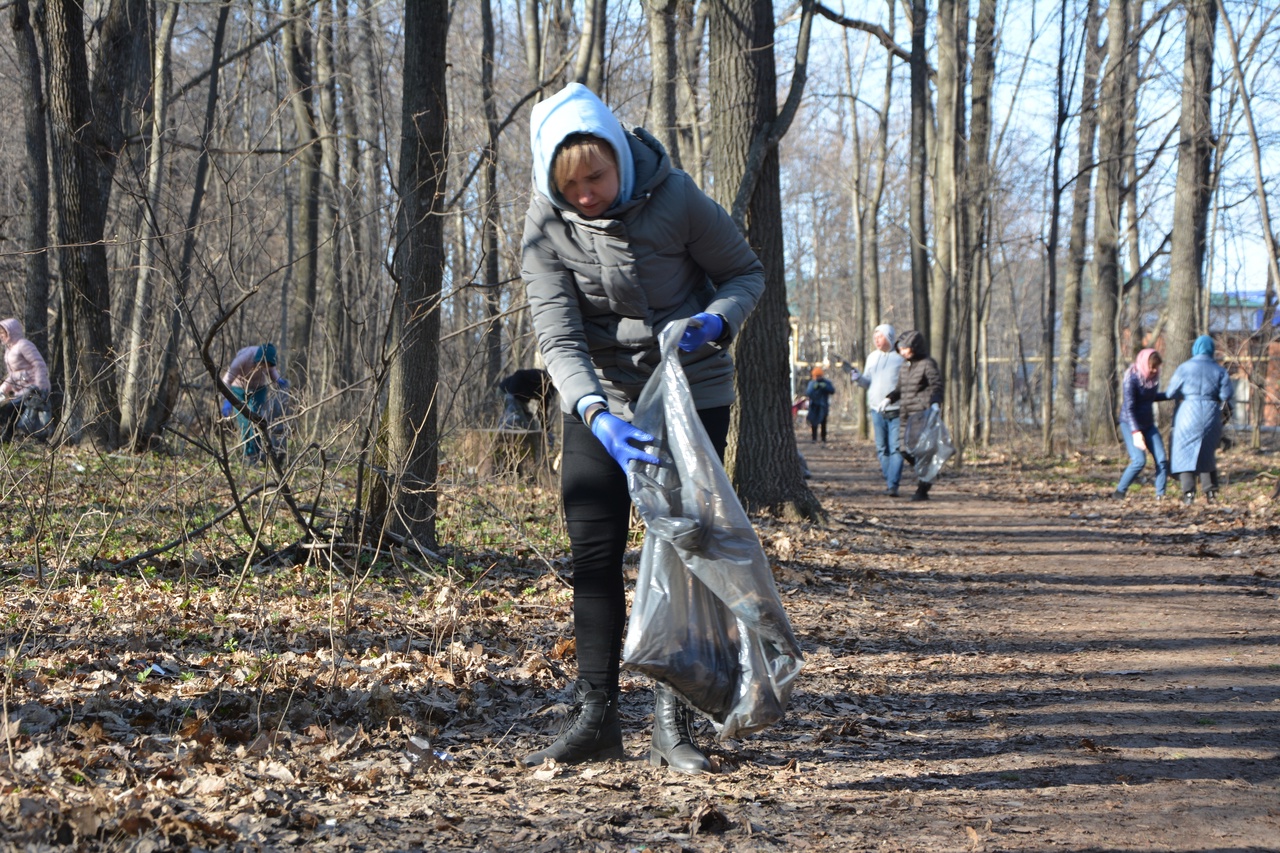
x: 617, y: 436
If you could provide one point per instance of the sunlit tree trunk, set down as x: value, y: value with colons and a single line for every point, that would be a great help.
x: 917, y: 170
x: 489, y: 205
x: 329, y: 223
x: 1192, y: 188
x: 1077, y: 242
x: 166, y: 396
x: 132, y: 415
x: 35, y: 174
x: 1106, y: 227
x: 762, y: 458
x: 665, y: 61
x: 304, y: 279
x: 86, y: 133
x: 412, y: 410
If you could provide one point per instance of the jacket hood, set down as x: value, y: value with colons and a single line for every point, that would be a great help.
x: 14, y: 327
x: 576, y: 109
x: 1203, y: 346
x: 886, y: 330
x: 915, y: 340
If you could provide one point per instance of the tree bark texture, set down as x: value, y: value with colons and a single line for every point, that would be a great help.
x: 1106, y: 228
x: 296, y: 43
x: 664, y: 59
x: 490, y: 205
x: 412, y: 411
x: 81, y: 148
x: 949, y: 231
x: 1193, y: 186
x: 762, y: 458
x: 1077, y: 241
x: 918, y: 167
x: 35, y: 173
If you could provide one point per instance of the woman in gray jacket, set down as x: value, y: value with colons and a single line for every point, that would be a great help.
x: 617, y: 245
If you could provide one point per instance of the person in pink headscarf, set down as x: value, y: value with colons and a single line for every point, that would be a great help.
x: 1138, y: 422
x: 25, y: 373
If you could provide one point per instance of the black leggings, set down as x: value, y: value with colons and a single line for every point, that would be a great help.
x: 597, y: 512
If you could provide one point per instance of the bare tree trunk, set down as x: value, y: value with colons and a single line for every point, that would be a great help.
x: 918, y: 168
x: 1051, y: 244
x: 949, y: 173
x: 692, y: 28
x: 1081, y: 195
x: 86, y: 135
x: 296, y: 42
x: 588, y: 67
x: 762, y: 459
x: 412, y: 411
x: 131, y: 413
x: 871, y: 226
x: 35, y: 172
x: 166, y: 397
x: 1106, y: 276
x: 1132, y: 336
x: 329, y: 225
x: 1192, y: 188
x: 664, y: 59
x: 533, y: 61
x: 489, y: 202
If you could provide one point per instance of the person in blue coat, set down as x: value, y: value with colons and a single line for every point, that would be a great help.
x: 1138, y: 422
x: 1201, y: 386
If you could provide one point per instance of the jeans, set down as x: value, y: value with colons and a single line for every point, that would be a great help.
x: 1138, y: 459
x: 886, y: 430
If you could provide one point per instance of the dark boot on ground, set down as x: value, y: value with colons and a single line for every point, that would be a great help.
x: 922, y: 492
x: 673, y: 742
x: 591, y: 732
x: 1188, y: 498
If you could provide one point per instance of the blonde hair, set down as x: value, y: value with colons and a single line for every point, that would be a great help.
x: 577, y: 149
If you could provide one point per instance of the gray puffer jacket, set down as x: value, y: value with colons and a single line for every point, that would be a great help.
x: 601, y: 290
x: 919, y: 380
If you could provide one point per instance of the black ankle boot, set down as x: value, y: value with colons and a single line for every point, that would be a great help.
x: 922, y: 492
x: 673, y: 735
x: 590, y: 733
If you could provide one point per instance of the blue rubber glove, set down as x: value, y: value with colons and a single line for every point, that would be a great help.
x: 616, y: 435
x: 703, y: 328
x: 282, y: 382
x: 226, y: 408
x: 935, y: 407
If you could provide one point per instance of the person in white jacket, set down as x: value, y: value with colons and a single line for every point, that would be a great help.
x: 880, y: 376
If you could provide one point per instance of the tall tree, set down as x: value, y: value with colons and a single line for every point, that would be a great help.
x: 166, y: 392
x: 1077, y: 241
x: 1106, y: 231
x: 1192, y: 190
x: 665, y: 62
x: 762, y: 458
x: 86, y: 133
x: 918, y: 167
x: 977, y: 196
x: 296, y: 44
x: 412, y: 407
x: 132, y: 415
x: 490, y: 205
x: 950, y: 232
x: 35, y: 173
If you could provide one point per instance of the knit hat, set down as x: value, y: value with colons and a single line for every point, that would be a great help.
x: 267, y: 353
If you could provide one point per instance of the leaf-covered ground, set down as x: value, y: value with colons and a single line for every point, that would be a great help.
x: 1017, y: 664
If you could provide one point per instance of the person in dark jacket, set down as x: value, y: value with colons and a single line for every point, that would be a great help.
x: 619, y: 244
x: 919, y: 389
x: 1138, y: 422
x: 819, y: 391
x: 1202, y: 387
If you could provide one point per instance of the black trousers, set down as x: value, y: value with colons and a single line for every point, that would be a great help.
x: 597, y: 512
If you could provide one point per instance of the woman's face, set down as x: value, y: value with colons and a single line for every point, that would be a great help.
x: 906, y: 352
x: 4, y: 336
x: 592, y: 187
x: 1155, y: 364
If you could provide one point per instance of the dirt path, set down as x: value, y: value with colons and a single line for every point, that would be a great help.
x: 1013, y: 665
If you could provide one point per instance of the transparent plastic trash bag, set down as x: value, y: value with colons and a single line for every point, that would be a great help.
x: 928, y: 442
x: 706, y: 619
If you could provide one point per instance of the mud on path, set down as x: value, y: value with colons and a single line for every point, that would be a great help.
x: 1012, y: 665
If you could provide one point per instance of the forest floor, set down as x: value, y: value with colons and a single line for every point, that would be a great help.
x: 1016, y: 664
